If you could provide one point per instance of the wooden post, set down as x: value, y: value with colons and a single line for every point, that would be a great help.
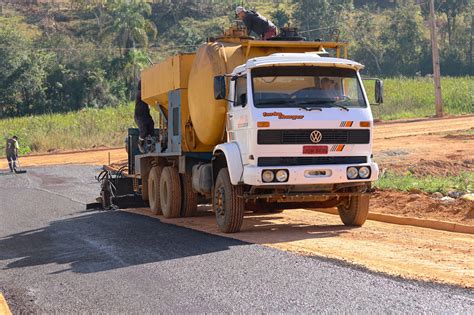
x: 436, y: 70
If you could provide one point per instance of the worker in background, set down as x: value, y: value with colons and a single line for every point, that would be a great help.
x: 256, y: 23
x: 145, y: 122
x: 11, y: 151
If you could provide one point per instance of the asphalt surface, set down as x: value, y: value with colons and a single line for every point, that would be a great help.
x: 57, y: 257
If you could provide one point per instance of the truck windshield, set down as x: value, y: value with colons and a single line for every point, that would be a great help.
x: 306, y: 87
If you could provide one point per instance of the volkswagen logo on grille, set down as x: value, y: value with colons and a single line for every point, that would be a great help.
x: 316, y: 136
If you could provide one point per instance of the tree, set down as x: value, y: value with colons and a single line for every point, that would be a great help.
x: 365, y: 45
x: 318, y: 18
x: 451, y: 9
x: 128, y: 24
x: 24, y: 71
x: 280, y: 18
x: 403, y: 41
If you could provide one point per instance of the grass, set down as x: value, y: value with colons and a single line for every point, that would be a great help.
x: 414, y: 97
x: 90, y: 128
x: 463, y: 182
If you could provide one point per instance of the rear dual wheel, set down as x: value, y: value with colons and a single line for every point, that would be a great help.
x: 154, y: 189
x: 170, y: 193
x: 189, y: 198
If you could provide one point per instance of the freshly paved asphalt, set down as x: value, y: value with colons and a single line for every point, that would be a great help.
x: 57, y: 257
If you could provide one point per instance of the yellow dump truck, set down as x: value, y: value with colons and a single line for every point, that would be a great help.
x: 250, y: 125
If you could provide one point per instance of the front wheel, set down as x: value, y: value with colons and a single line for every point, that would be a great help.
x: 355, y: 211
x: 228, y: 203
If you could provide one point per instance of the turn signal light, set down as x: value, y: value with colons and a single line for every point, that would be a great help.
x: 364, y: 124
x: 263, y: 124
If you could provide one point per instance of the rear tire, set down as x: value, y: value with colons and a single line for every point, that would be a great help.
x: 154, y: 189
x: 190, y: 197
x: 355, y: 212
x: 170, y: 192
x: 227, y: 204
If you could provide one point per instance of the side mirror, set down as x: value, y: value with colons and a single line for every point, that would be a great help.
x: 377, y: 88
x: 219, y: 87
x: 379, y: 91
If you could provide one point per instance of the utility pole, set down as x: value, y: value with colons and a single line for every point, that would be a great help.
x: 436, y: 71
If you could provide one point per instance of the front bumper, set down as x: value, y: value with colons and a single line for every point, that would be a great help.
x: 302, y: 175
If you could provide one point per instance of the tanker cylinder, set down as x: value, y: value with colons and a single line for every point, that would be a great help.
x: 208, y: 115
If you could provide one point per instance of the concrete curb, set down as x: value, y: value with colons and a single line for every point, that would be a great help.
x: 424, y: 223
x: 4, y: 310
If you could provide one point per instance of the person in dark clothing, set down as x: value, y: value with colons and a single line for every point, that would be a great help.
x: 256, y: 23
x: 11, y: 151
x: 143, y: 118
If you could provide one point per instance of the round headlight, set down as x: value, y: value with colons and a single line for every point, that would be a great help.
x: 352, y: 172
x: 364, y: 172
x: 281, y: 176
x: 268, y: 176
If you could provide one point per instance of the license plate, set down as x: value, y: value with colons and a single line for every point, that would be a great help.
x: 315, y: 149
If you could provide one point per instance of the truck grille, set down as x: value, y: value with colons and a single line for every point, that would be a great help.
x: 302, y: 136
x: 310, y: 160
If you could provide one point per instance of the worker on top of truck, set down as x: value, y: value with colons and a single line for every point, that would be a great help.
x: 256, y: 23
x: 11, y: 151
x: 144, y: 121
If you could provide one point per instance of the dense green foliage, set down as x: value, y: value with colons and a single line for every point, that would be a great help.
x: 90, y: 127
x: 88, y: 53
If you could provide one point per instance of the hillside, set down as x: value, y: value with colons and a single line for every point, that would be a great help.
x: 60, y: 56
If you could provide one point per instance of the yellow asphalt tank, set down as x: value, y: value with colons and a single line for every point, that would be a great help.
x: 202, y: 117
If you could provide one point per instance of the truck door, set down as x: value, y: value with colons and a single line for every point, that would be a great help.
x: 238, y: 114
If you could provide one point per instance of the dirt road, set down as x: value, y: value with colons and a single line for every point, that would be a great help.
x: 405, y: 251
x: 395, y: 129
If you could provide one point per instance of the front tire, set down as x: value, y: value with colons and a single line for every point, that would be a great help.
x: 228, y: 203
x: 170, y: 192
x: 355, y: 211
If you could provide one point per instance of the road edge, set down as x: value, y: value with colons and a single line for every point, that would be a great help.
x: 4, y: 309
x: 424, y: 223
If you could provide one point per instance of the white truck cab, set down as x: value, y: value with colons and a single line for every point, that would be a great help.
x: 299, y: 134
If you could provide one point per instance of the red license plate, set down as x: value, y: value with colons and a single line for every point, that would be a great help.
x: 315, y: 149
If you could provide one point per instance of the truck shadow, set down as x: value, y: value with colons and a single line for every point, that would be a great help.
x: 269, y: 228
x: 102, y: 241
x: 266, y: 231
